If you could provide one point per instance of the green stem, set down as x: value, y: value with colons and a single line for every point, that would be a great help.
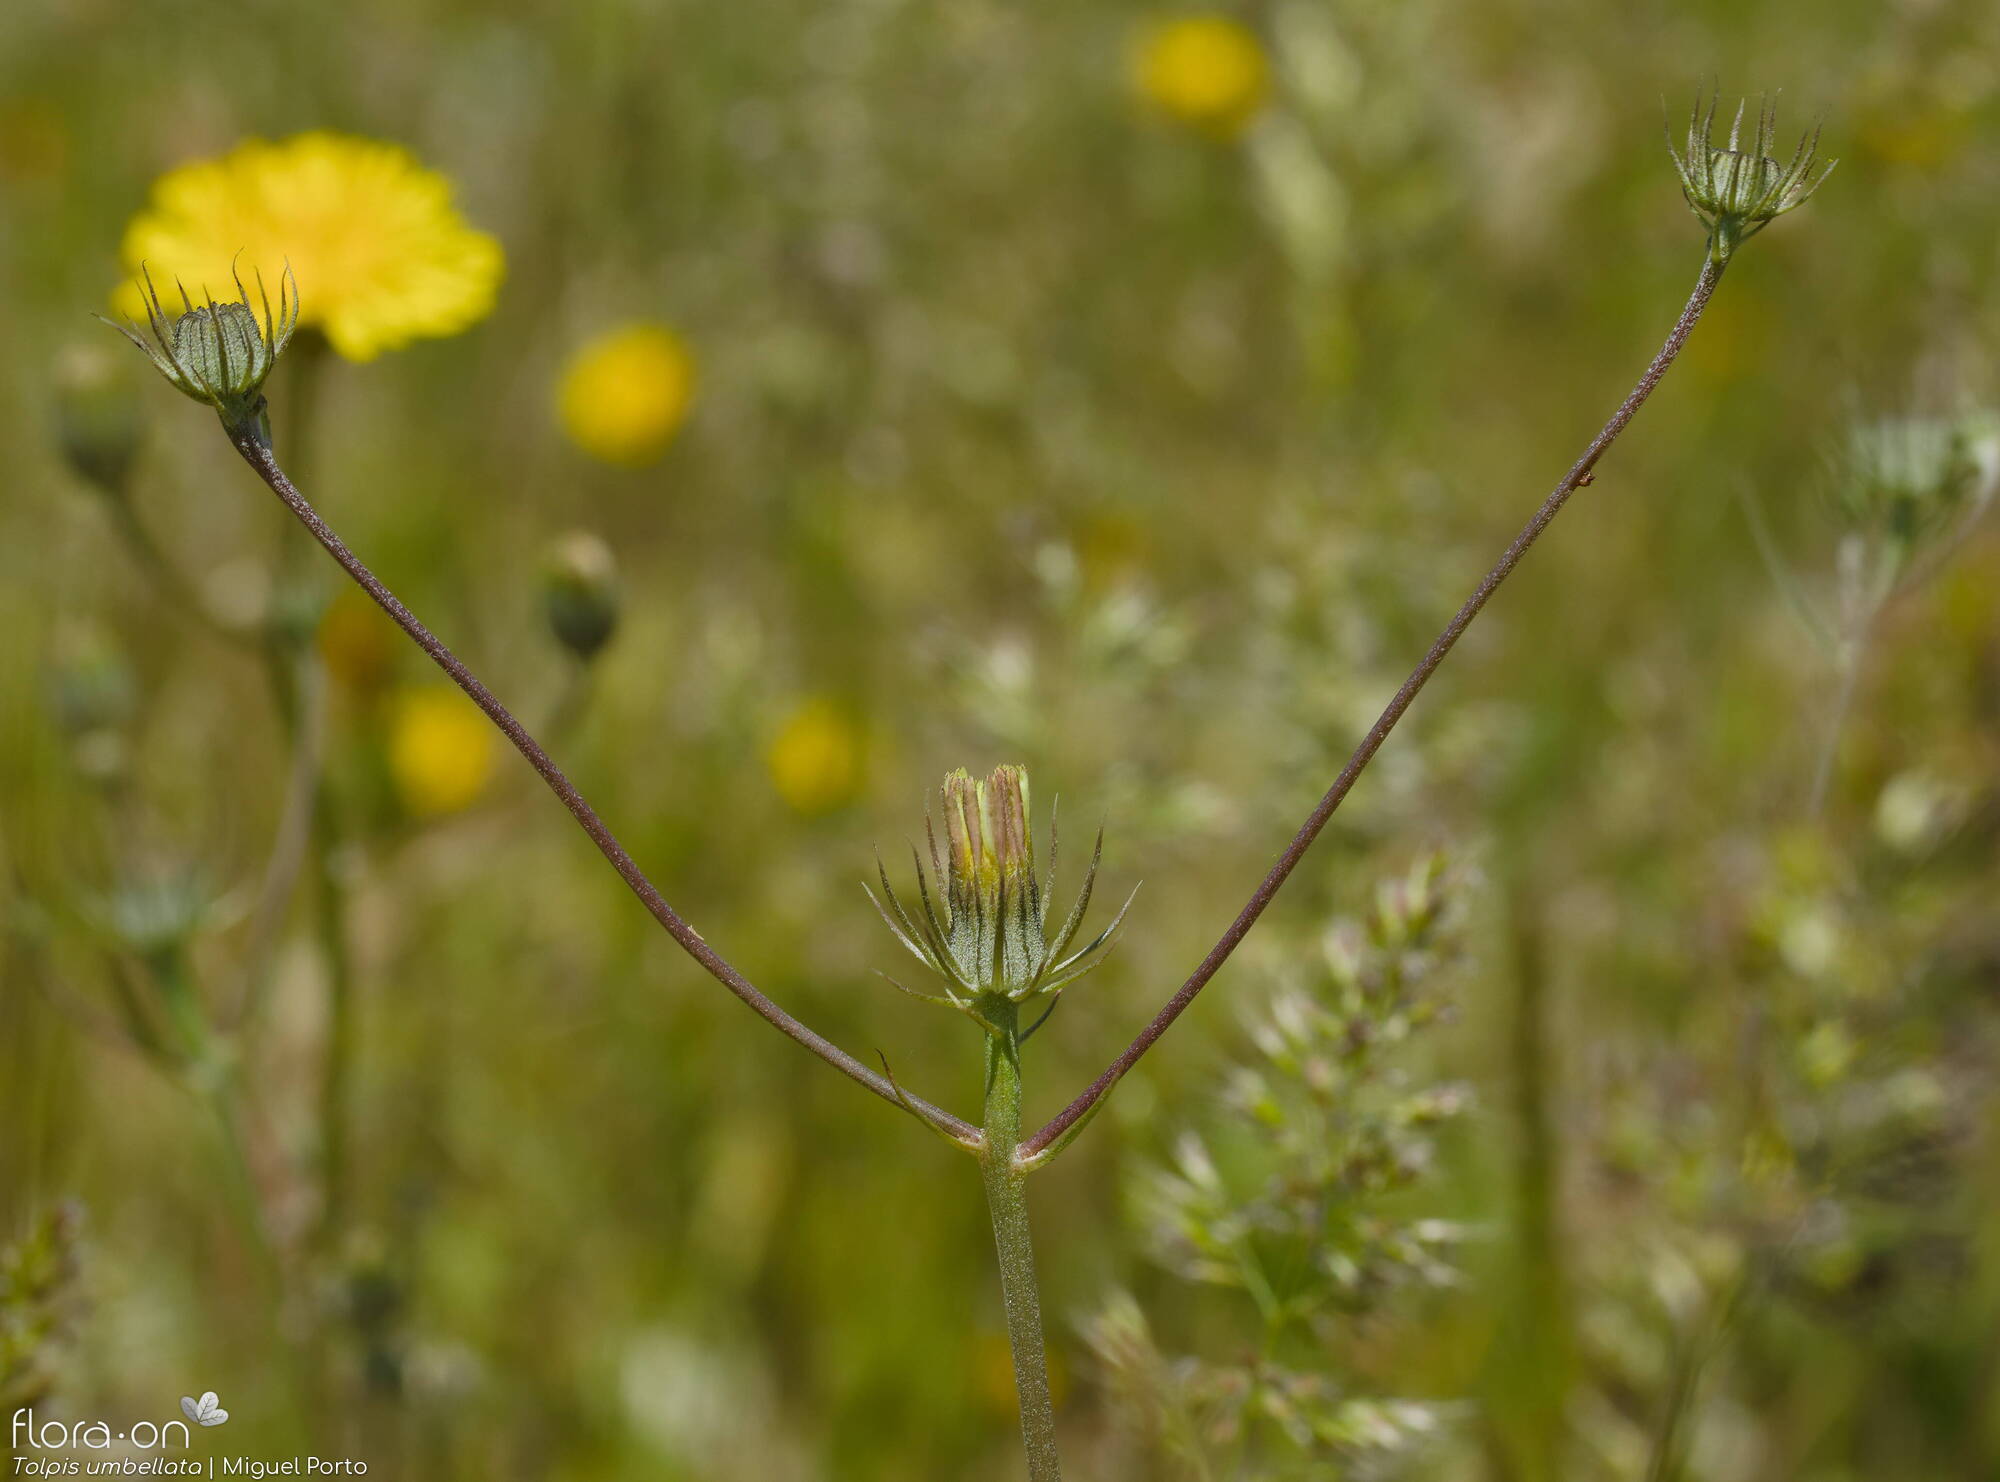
x: 1851, y: 649
x: 304, y: 719
x: 1006, y: 1198
x: 330, y: 914
x: 1541, y: 1351
x: 171, y: 581
x: 215, y: 1084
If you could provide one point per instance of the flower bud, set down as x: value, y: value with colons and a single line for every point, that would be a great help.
x: 91, y: 686
x: 990, y: 860
x: 223, y: 349
x: 580, y: 593
x: 92, y: 697
x: 220, y: 353
x: 1906, y: 477
x: 985, y: 929
x: 150, y: 913
x: 96, y: 417
x: 1737, y: 192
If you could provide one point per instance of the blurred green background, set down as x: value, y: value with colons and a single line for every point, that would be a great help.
x: 1034, y: 419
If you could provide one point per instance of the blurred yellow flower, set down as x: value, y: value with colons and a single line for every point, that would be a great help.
x: 1205, y: 70
x: 440, y: 750
x: 815, y: 759
x: 993, y: 1374
x: 624, y: 395
x: 381, y: 255
x: 357, y: 643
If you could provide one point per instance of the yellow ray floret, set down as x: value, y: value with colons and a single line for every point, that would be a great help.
x: 381, y: 254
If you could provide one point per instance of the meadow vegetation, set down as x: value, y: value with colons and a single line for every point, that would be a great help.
x: 781, y: 407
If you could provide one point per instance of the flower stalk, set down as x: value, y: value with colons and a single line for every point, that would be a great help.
x: 1007, y: 1202
x: 255, y: 450
x: 1581, y: 473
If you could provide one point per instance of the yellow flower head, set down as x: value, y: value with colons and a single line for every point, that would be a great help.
x: 624, y: 395
x: 440, y: 751
x: 381, y: 255
x: 357, y: 643
x: 1205, y: 70
x: 815, y: 759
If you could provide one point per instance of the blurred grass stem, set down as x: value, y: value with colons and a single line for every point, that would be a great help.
x: 1580, y: 473
x: 168, y: 577
x: 288, y: 846
x: 1852, y: 649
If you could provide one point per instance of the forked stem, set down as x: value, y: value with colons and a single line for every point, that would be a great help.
x: 1007, y: 1201
x: 257, y: 453
x: 1578, y: 475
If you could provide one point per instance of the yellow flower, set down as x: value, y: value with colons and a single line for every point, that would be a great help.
x: 1205, y: 70
x: 381, y: 255
x: 815, y: 759
x: 356, y: 642
x: 624, y: 395
x: 440, y: 750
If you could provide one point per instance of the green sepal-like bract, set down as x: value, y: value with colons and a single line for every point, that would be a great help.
x: 984, y: 929
x: 1738, y: 191
x: 219, y: 353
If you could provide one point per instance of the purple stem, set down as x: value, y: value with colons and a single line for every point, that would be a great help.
x: 260, y: 458
x: 1576, y: 478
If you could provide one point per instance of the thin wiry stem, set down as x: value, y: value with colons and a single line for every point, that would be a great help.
x: 173, y: 583
x: 291, y: 843
x: 260, y: 458
x: 1578, y: 475
x: 336, y: 1092
x: 1852, y: 650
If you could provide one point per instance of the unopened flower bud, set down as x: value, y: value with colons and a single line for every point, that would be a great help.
x: 984, y: 929
x: 96, y: 417
x: 220, y: 353
x: 91, y: 686
x: 1901, y: 489
x: 1739, y: 191
x: 151, y: 913
x: 1906, y: 477
x: 92, y: 697
x: 580, y: 593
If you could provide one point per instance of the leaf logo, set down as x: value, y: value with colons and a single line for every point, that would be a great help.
x: 205, y: 1411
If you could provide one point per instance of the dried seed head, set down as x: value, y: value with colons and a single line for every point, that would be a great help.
x: 1739, y: 188
x: 219, y: 353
